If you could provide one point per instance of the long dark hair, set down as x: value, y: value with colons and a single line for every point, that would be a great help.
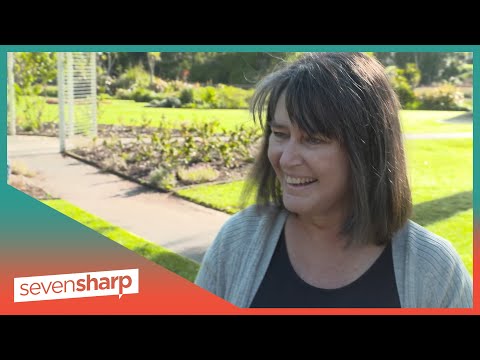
x: 347, y: 97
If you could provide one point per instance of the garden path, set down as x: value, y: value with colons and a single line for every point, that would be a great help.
x: 176, y: 224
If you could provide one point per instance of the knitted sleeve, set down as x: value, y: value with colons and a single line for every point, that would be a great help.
x: 442, y: 278
x: 208, y: 276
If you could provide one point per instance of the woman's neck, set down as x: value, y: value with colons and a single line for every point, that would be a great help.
x: 317, y: 251
x: 319, y: 231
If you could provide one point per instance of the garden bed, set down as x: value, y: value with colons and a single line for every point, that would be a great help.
x: 169, y: 159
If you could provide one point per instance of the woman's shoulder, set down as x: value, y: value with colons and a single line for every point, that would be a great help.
x: 251, y: 219
x: 244, y: 227
x: 430, y: 271
x: 429, y: 250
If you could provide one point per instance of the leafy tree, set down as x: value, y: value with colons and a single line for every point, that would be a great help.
x: 33, y: 71
x: 153, y: 58
x: 430, y: 64
x: 236, y: 68
x: 401, y: 86
x: 107, y: 61
x: 34, y: 68
x: 412, y: 74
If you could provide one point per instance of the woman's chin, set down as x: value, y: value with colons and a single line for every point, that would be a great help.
x: 296, y: 207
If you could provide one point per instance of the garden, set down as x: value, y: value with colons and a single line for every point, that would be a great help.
x: 193, y: 136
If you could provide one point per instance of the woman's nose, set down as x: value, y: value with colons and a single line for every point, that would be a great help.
x: 291, y: 154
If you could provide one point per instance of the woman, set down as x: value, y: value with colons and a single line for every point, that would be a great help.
x: 331, y: 226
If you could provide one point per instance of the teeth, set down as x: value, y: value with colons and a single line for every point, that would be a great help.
x: 298, y: 181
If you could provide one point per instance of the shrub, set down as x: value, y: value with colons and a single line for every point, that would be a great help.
x: 104, y: 84
x: 136, y: 76
x: 208, y: 96
x: 198, y: 174
x: 412, y: 74
x: 163, y: 178
x: 31, y: 112
x: 140, y: 94
x: 445, y: 97
x: 169, y: 102
x: 176, y: 85
x: 231, y: 97
x: 123, y: 94
x: 466, y: 72
x: 401, y: 86
x: 219, y: 97
x: 158, y: 85
x: 114, y: 163
x: 51, y: 91
x: 186, y: 96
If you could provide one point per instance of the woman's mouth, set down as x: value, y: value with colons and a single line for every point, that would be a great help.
x: 299, y: 181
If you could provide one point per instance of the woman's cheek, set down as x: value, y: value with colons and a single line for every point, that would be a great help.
x: 274, y: 153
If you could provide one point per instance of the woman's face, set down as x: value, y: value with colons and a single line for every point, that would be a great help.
x: 313, y: 171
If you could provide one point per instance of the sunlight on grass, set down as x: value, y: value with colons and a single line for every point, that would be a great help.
x: 184, y: 267
x: 129, y: 112
x: 425, y: 121
x: 224, y: 197
x: 439, y: 168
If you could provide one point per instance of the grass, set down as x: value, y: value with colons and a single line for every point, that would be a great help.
x: 441, y: 177
x: 441, y: 173
x: 426, y: 121
x: 128, y: 112
x: 184, y: 267
x: 224, y: 197
x: 131, y: 113
x: 440, y: 167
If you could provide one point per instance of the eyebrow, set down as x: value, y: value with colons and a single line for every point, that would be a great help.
x: 274, y: 123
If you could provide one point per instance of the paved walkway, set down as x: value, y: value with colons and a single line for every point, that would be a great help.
x: 173, y: 223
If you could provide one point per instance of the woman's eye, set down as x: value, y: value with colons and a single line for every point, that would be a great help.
x: 279, y: 134
x: 314, y: 140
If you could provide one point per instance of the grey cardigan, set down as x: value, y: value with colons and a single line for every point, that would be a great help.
x: 428, y: 271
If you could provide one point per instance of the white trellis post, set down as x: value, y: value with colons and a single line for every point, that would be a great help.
x: 77, y: 98
x: 70, y: 94
x: 93, y: 92
x: 11, y: 96
x: 61, y: 100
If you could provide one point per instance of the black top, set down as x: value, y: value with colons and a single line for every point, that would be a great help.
x: 283, y: 288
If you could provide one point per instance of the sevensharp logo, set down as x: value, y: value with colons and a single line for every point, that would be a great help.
x: 76, y: 285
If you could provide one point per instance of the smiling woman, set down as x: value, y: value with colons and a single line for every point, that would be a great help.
x: 330, y: 227
x: 313, y: 170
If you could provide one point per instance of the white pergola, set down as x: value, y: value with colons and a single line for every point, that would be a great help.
x: 77, y: 96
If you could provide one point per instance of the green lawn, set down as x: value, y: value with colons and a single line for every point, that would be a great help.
x: 184, y: 267
x: 441, y: 176
x: 128, y: 112
x: 425, y: 121
x: 224, y: 197
x: 131, y: 113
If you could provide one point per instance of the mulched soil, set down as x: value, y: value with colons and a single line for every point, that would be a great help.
x: 138, y: 173
x: 28, y: 186
x: 103, y: 130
